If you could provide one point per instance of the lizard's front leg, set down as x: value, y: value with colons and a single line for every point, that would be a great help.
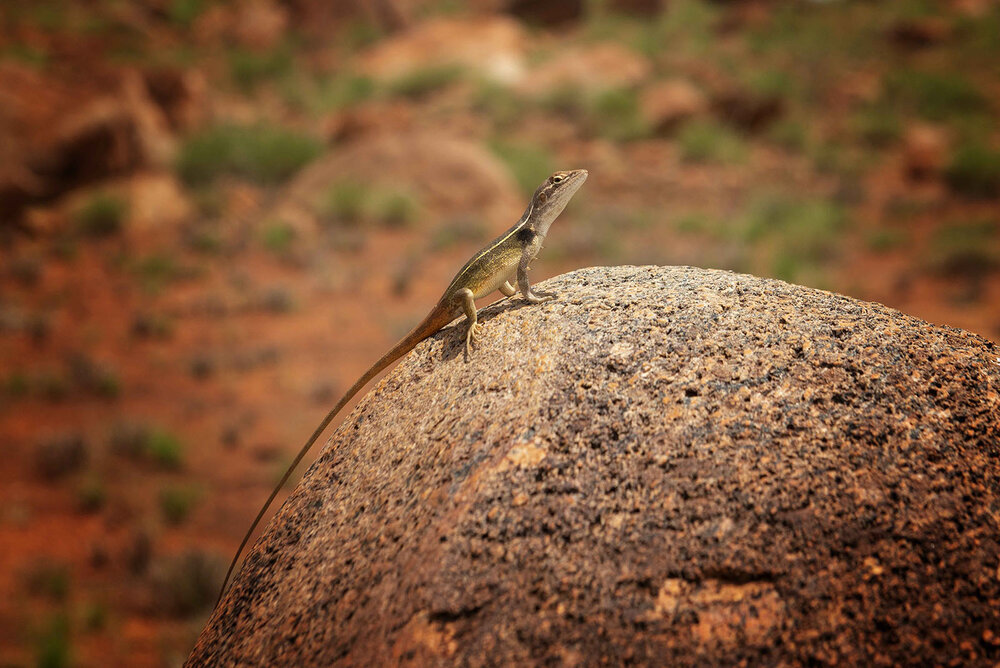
x: 472, y: 328
x: 524, y: 285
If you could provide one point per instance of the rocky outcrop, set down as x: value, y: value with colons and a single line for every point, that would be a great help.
x: 56, y: 136
x: 597, y: 68
x: 444, y: 172
x: 491, y: 46
x: 666, y: 466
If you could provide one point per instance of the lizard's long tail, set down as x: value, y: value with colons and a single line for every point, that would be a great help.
x: 435, y: 320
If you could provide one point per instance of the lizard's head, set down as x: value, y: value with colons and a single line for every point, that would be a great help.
x: 552, y: 197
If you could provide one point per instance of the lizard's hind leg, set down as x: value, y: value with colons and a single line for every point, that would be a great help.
x: 473, y: 326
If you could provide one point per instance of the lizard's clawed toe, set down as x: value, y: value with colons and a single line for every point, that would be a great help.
x: 472, y: 337
x: 540, y: 297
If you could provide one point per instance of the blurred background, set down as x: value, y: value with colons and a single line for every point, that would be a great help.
x: 214, y: 215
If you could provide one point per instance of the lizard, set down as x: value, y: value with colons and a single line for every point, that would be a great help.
x: 505, y: 258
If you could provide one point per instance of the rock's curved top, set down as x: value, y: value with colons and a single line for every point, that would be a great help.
x: 666, y: 466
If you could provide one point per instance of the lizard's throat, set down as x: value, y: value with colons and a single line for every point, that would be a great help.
x: 543, y: 219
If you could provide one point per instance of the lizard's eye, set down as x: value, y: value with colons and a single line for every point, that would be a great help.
x: 557, y: 178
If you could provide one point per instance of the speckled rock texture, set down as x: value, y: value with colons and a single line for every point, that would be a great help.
x: 666, y: 466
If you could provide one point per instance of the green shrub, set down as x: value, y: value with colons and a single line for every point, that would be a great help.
x: 694, y: 223
x: 771, y: 83
x: 249, y: 67
x: 423, y: 81
x: 94, y: 616
x: 884, y: 240
x: 975, y: 171
x: 877, y: 124
x: 790, y: 134
x: 615, y: 115
x: 17, y: 385
x: 809, y: 227
x: 344, y: 202
x: 359, y: 33
x: 708, y: 141
x: 277, y: 236
x: 164, y: 449
x: 52, y: 646
x: 612, y: 113
x: 176, y: 504
x: 392, y: 208
x: 936, y: 97
x: 795, y: 236
x: 342, y: 91
x: 203, y: 239
x: 968, y: 250
x: 981, y: 33
x: 102, y: 215
x: 687, y: 26
x: 156, y: 270
x: 353, y: 203
x: 498, y: 102
x: 184, y: 12
x: 138, y: 440
x: 49, y: 579
x: 529, y: 164
x: 91, y: 495
x: 26, y: 54
x: 264, y: 154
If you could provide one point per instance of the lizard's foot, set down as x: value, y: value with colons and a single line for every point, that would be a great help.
x: 472, y: 337
x: 540, y: 297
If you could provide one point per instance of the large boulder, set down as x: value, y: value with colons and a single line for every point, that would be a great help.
x: 665, y: 466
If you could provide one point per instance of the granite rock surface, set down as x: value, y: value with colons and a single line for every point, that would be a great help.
x: 666, y: 466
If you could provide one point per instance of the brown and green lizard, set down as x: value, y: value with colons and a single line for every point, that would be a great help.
x: 503, y: 259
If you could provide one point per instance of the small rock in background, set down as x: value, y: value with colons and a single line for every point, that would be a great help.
x: 139, y: 552
x: 914, y: 33
x: 186, y: 583
x: 181, y: 94
x: 323, y: 392
x: 550, y: 13
x: 925, y: 153
x: 748, y: 110
x: 644, y: 8
x: 61, y: 455
x: 667, y: 104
